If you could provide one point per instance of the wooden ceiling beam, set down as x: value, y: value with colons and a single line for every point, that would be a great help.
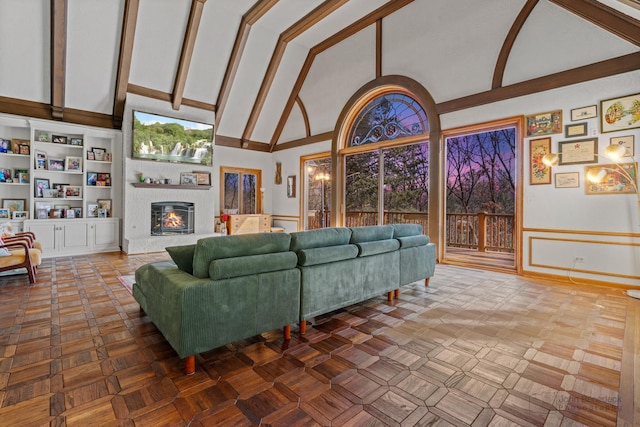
x: 58, y: 57
x: 623, y: 26
x: 359, y: 25
x: 598, y: 70
x: 507, y: 45
x: 195, y: 16
x: 316, y: 15
x: 259, y: 9
x: 127, y: 37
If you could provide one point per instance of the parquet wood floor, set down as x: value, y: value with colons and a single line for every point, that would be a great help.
x: 473, y: 349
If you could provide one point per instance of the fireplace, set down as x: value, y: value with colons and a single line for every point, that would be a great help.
x: 171, y: 218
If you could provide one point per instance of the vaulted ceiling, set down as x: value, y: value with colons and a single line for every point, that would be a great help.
x: 275, y: 73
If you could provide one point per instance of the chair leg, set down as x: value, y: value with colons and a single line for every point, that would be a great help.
x: 32, y: 274
x: 426, y: 281
x: 286, y: 332
x: 396, y: 293
x: 390, y: 296
x: 303, y: 327
x: 190, y: 364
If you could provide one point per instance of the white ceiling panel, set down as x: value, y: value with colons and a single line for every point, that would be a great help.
x: 294, y: 128
x: 285, y: 13
x: 158, y: 42
x: 281, y: 87
x: 25, y: 50
x: 91, y: 73
x: 328, y: 86
x: 248, y: 79
x: 449, y: 47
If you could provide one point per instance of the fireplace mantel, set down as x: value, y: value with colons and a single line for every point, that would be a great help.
x: 171, y: 186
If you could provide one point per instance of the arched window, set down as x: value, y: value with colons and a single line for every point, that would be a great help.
x: 387, y: 117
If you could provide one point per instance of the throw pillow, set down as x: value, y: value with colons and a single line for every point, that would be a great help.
x: 182, y: 256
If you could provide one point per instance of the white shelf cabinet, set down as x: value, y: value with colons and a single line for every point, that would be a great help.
x: 64, y: 236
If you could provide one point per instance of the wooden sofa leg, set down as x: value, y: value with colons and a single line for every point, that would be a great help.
x: 397, y: 293
x: 190, y: 364
x: 303, y: 327
x: 426, y: 281
x: 390, y: 296
x: 286, y: 332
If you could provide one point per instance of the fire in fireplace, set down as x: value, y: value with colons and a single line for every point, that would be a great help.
x: 171, y: 218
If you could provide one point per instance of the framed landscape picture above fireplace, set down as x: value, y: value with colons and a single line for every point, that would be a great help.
x: 168, y: 139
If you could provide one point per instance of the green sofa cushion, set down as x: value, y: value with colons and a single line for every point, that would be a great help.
x: 182, y: 256
x: 212, y: 248
x: 320, y: 238
x: 377, y: 247
x: 413, y: 241
x: 315, y: 256
x: 404, y: 230
x: 227, y: 268
x: 371, y: 233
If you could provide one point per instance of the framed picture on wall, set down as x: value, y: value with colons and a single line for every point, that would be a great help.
x: 540, y: 173
x: 291, y: 186
x: 620, y: 113
x: 544, y: 123
x: 578, y: 151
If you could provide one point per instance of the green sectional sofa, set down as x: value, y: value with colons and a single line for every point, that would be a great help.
x: 227, y: 288
x: 221, y: 290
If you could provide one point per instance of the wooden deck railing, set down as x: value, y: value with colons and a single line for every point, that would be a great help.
x: 479, y: 231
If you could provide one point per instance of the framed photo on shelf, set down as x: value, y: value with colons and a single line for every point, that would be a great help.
x: 539, y: 172
x: 20, y: 215
x: 626, y: 141
x: 98, y: 153
x: 23, y: 177
x: 5, y: 175
x: 615, y: 178
x: 70, y: 213
x: 578, y: 151
x: 188, y: 178
x: 73, y: 163
x: 106, y: 205
x: 102, y: 213
x: 91, y: 155
x: 104, y: 179
x: 75, y: 141
x: 78, y: 212
x: 203, y: 178
x: 5, y: 145
x: 567, y: 180
x: 72, y: 191
x: 16, y: 143
x: 39, y: 185
x: 620, y: 113
x: 42, y: 136
x: 55, y: 164
x: 575, y: 129
x: 4, y: 214
x: 92, y: 210
x: 14, y: 204
x: 59, y: 139
x: 50, y: 193
x: 92, y: 178
x: 544, y: 123
x: 40, y: 160
x: 25, y: 150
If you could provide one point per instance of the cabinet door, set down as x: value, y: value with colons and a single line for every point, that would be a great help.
x: 45, y: 234
x: 106, y: 233
x: 75, y: 235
